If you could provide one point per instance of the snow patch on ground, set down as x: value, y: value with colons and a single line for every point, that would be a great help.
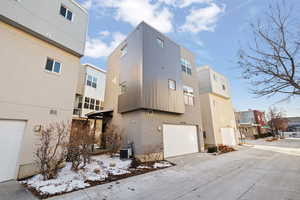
x: 68, y: 180
x: 162, y: 164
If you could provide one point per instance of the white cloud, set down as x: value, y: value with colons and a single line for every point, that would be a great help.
x: 184, y: 3
x: 97, y: 48
x: 87, y: 4
x: 104, y: 33
x: 136, y: 11
x: 203, y: 19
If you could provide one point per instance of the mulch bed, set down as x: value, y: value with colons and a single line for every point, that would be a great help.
x: 134, y: 171
x: 272, y: 139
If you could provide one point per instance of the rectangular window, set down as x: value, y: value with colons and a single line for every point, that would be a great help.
x: 92, y: 104
x: 172, y: 84
x: 97, y: 105
x: 66, y: 13
x: 160, y: 42
x: 124, y: 50
x: 86, y: 102
x: 53, y: 65
x: 123, y: 87
x: 89, y: 80
x: 186, y: 66
x: 188, y: 94
x: 94, y: 83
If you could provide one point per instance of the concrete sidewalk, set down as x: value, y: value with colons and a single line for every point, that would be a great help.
x: 12, y: 190
x: 250, y: 173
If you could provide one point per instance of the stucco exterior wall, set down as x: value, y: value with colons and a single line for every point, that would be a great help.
x: 28, y: 92
x: 217, y: 113
x: 44, y: 19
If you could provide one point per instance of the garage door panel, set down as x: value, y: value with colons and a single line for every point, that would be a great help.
x: 228, y: 136
x: 11, y: 133
x: 180, y: 140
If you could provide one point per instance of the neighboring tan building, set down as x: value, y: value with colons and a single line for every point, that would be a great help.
x: 293, y: 124
x: 152, y: 88
x: 90, y: 90
x: 216, y: 108
x: 89, y: 97
x: 251, y: 123
x: 41, y: 46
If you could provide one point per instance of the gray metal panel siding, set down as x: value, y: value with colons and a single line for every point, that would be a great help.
x: 131, y: 72
x: 43, y: 18
x: 160, y: 65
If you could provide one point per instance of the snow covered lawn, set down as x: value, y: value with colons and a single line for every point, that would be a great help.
x: 100, y: 170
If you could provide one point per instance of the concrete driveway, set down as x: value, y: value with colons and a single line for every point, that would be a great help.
x: 261, y: 170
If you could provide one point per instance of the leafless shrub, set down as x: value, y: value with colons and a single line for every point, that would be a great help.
x: 51, y: 151
x: 112, y: 139
x: 82, y: 137
x: 153, y: 153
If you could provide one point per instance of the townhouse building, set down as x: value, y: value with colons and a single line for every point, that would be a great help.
x: 251, y: 123
x: 152, y: 89
x: 90, y: 90
x: 41, y: 46
x: 217, y: 112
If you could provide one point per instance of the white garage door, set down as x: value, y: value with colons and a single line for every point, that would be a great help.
x: 179, y: 140
x: 228, y: 136
x: 11, y: 133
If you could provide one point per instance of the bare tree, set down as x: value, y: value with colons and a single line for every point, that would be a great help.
x: 276, y: 120
x: 51, y: 151
x: 271, y: 62
x: 82, y: 137
x: 112, y: 139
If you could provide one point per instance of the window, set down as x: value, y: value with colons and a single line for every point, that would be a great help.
x: 92, y: 104
x: 97, y: 105
x: 123, y: 87
x: 89, y: 80
x: 86, y: 102
x: 172, y: 84
x: 53, y: 65
x: 186, y: 66
x: 94, y: 83
x: 160, y: 42
x: 124, y: 50
x: 188, y: 94
x: 223, y: 87
x: 80, y: 102
x: 215, y: 77
x: 66, y: 13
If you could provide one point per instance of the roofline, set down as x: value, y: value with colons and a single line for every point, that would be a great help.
x: 38, y: 35
x: 94, y: 67
x: 79, y: 6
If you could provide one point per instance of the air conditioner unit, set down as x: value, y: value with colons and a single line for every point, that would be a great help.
x: 125, y: 153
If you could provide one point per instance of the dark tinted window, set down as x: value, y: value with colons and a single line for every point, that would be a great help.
x: 63, y: 11
x: 69, y: 15
x: 49, y: 64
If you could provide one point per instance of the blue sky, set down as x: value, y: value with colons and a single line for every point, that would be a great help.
x: 213, y: 29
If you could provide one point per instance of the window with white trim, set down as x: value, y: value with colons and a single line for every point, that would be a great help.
x: 186, y: 66
x: 160, y: 42
x: 123, y: 87
x: 188, y: 94
x: 91, y: 81
x: 124, y: 50
x: 53, y: 65
x: 172, y: 84
x: 66, y: 13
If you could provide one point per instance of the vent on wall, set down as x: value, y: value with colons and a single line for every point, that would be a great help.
x: 53, y: 112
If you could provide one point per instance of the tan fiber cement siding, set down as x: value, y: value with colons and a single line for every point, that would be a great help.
x: 28, y: 92
x: 218, y: 114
